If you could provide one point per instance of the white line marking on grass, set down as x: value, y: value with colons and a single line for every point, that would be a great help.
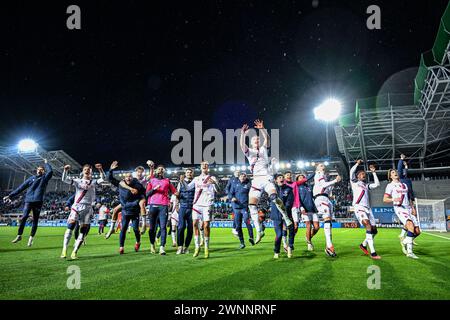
x: 432, y: 234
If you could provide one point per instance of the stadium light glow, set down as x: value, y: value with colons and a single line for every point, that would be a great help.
x: 220, y: 169
x: 313, y: 164
x: 300, y: 164
x: 326, y: 163
x: 307, y: 164
x: 27, y: 145
x: 243, y: 168
x: 288, y: 165
x: 233, y: 168
x: 329, y: 110
x: 169, y: 171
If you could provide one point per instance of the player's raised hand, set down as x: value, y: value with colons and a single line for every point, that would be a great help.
x: 66, y: 167
x: 259, y: 124
x: 402, y: 156
x: 372, y: 168
x: 244, y: 128
x: 98, y: 166
x: 6, y: 199
x: 114, y: 165
x: 150, y: 163
x: 359, y: 162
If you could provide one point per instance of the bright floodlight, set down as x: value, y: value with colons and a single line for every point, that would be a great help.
x: 27, y: 145
x: 243, y: 168
x: 328, y: 111
x: 233, y: 168
x: 300, y: 164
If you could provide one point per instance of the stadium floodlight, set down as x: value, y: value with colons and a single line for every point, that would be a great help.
x: 169, y: 171
x: 313, y: 164
x: 220, y: 169
x: 307, y: 164
x: 27, y: 146
x: 288, y: 165
x: 326, y: 163
x: 300, y: 164
x: 282, y: 165
x: 243, y: 168
x: 329, y: 110
x: 233, y: 168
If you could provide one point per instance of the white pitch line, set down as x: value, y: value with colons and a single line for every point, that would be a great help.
x: 432, y: 234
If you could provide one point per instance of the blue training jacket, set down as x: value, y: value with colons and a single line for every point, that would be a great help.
x: 239, y: 191
x: 286, y: 194
x: 403, y: 174
x: 35, y: 186
x: 129, y: 201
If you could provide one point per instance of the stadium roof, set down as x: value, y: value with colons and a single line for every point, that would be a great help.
x: 418, y: 125
x: 26, y: 162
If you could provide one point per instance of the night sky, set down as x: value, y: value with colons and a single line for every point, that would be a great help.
x: 140, y: 69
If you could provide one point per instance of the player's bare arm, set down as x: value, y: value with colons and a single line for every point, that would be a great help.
x: 259, y: 124
x: 151, y: 166
x: 244, y: 131
x: 99, y: 167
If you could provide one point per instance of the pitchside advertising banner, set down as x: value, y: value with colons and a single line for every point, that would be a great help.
x: 385, y: 215
x: 214, y: 224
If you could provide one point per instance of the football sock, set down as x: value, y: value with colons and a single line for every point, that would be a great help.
x: 67, y: 236
x: 327, y: 231
x: 369, y: 239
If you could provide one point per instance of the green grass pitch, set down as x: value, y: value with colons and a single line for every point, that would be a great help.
x: 229, y: 273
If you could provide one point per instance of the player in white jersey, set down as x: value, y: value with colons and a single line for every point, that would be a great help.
x: 361, y: 205
x: 174, y: 206
x: 397, y: 193
x: 321, y: 192
x: 262, y: 180
x: 139, y: 173
x: 206, y: 187
x: 103, y: 212
x: 81, y: 209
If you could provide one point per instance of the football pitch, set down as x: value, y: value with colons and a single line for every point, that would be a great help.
x: 229, y: 273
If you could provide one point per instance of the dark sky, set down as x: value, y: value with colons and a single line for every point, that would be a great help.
x: 140, y: 69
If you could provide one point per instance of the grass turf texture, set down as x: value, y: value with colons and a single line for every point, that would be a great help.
x: 229, y: 273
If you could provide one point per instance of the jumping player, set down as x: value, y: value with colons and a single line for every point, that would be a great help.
x: 81, y: 210
x: 34, y: 198
x: 131, y: 206
x: 361, y: 205
x: 321, y: 191
x: 139, y: 174
x: 397, y: 193
x: 258, y: 158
